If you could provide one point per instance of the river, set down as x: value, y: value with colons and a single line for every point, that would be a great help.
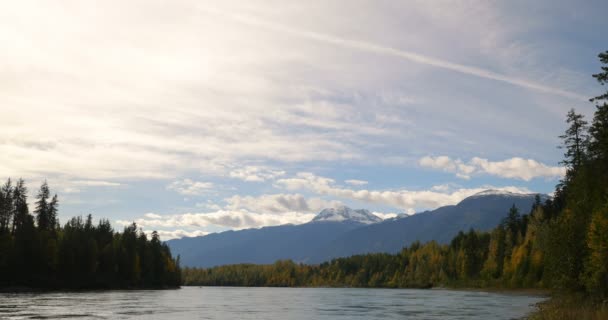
x: 267, y: 303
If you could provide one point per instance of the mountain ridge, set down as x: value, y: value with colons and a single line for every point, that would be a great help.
x: 342, y: 231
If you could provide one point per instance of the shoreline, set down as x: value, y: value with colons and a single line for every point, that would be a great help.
x: 22, y: 289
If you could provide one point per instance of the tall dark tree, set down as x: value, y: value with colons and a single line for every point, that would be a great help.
x: 574, y: 140
x: 21, y: 213
x: 602, y: 77
x: 52, y: 213
x: 6, y: 206
x: 42, y: 207
x: 598, y: 146
x: 599, y: 128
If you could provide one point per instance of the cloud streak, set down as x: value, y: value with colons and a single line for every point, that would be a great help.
x: 403, y: 54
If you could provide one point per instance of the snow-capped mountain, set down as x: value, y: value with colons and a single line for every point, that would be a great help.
x: 504, y: 193
x: 344, y: 213
x: 352, y: 232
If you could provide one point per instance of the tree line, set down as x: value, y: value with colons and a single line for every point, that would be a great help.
x: 559, y: 244
x: 37, y: 252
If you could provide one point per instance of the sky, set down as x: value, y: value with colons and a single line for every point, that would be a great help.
x: 191, y: 117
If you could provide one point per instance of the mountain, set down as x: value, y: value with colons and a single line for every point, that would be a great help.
x: 342, y: 231
x: 482, y: 211
x: 344, y: 213
x: 266, y: 245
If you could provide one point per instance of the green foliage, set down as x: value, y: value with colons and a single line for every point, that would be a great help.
x: 80, y: 255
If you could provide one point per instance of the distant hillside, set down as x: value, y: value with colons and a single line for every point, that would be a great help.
x: 482, y: 211
x: 265, y: 245
x: 342, y: 232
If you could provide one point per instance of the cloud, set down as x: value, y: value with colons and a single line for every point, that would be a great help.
x: 513, y: 168
x: 96, y: 183
x: 355, y: 182
x: 445, y: 163
x: 402, y: 199
x: 230, y: 219
x: 255, y: 174
x: 399, y: 53
x: 176, y: 234
x: 189, y: 187
x: 280, y: 203
x: 228, y: 105
x: 151, y: 215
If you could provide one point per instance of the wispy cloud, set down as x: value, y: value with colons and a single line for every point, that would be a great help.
x: 513, y: 168
x: 255, y: 174
x: 400, y: 53
x: 190, y: 187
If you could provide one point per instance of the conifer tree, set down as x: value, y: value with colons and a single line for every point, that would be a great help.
x: 6, y: 206
x: 21, y: 214
x: 574, y: 140
x: 42, y: 207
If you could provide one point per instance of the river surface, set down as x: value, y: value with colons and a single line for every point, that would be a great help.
x: 267, y: 303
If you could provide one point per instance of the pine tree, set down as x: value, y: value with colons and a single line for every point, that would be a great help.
x: 574, y: 140
x: 21, y: 214
x: 52, y: 213
x: 598, y: 146
x: 6, y: 206
x: 602, y: 77
x: 42, y: 207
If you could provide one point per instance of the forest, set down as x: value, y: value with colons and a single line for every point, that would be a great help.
x: 37, y: 253
x: 561, y: 244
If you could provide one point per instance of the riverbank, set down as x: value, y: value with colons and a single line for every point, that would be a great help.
x: 22, y: 289
x: 570, y: 306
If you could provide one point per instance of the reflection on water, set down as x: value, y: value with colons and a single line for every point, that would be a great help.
x: 266, y: 303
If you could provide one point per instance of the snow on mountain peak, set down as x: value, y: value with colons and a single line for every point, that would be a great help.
x: 494, y: 192
x: 344, y: 213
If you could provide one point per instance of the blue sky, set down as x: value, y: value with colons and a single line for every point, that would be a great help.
x: 192, y: 117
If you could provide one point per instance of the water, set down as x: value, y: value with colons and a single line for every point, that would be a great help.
x: 267, y: 303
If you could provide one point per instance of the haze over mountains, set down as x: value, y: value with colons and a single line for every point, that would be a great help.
x: 342, y: 231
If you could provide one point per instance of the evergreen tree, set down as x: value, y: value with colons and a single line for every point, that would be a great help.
x: 574, y: 140
x: 52, y: 213
x: 21, y: 214
x: 602, y: 77
x: 42, y: 207
x: 6, y: 206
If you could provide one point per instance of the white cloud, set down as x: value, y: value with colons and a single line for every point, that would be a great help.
x: 445, y: 163
x: 96, y: 183
x: 190, y: 187
x: 355, y: 182
x: 519, y: 168
x: 255, y: 174
x: 230, y: 219
x: 176, y: 234
x: 402, y: 199
x: 514, y: 168
x: 280, y: 203
x: 151, y: 215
